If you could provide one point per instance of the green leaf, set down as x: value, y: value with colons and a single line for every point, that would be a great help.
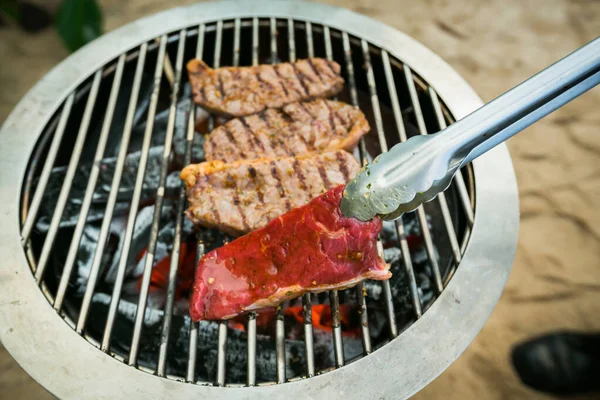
x: 10, y: 8
x: 79, y: 22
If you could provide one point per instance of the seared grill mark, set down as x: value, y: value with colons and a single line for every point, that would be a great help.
x: 299, y: 174
x: 275, y: 175
x: 236, y: 201
x: 253, y: 137
x: 263, y: 82
x: 213, y: 205
x: 281, y: 80
x: 312, y: 121
x: 343, y: 166
x: 231, y: 138
x: 331, y: 117
x: 263, y: 118
x: 252, y: 173
x: 312, y: 66
x: 209, y: 143
x: 303, y: 107
x: 277, y: 140
x: 329, y: 64
x: 221, y: 87
x: 300, y: 76
x: 342, y: 118
x: 323, y: 173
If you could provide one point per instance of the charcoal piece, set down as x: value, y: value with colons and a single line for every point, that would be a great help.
x: 71, y: 213
x: 87, y: 251
x: 178, y: 349
x: 112, y: 251
x: 161, y: 121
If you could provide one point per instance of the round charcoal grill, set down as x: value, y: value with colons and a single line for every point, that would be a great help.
x: 97, y: 255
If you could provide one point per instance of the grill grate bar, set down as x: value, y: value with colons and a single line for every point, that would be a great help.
x: 422, y: 217
x: 360, y: 288
x: 222, y: 353
x: 338, y: 346
x: 280, y: 323
x: 273, y: 31
x: 251, y: 380
x: 291, y: 40
x: 252, y: 316
x: 89, y: 191
x: 47, y: 169
x: 408, y: 266
x: 68, y: 180
x: 255, y: 41
x: 149, y: 261
x: 236, y: 42
x: 421, y: 211
x: 280, y: 345
x: 110, y: 205
x: 387, y: 293
x: 306, y: 302
x: 405, y: 251
x: 389, y: 305
x: 193, y: 348
x: 193, y: 345
x: 309, y: 39
x: 458, y: 178
x: 222, y: 339
x: 175, y: 254
x: 135, y: 200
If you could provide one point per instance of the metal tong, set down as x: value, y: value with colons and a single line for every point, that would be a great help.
x: 417, y: 170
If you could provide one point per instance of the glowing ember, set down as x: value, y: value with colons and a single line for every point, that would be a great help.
x: 159, y: 280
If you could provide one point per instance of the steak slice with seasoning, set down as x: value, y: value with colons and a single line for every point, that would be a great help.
x: 239, y: 91
x: 297, y: 128
x: 242, y: 196
x: 312, y: 248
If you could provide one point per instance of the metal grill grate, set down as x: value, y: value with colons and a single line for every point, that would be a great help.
x: 144, y: 84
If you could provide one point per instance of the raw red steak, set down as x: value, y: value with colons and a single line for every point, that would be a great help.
x: 312, y: 248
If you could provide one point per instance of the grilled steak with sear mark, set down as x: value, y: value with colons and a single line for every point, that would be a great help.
x: 297, y: 128
x: 245, y: 195
x: 312, y: 248
x: 239, y: 91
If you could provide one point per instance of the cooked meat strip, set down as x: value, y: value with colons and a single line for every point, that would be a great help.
x: 298, y: 128
x: 312, y: 248
x: 239, y: 91
x: 245, y: 195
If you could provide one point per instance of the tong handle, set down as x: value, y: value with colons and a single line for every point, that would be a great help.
x: 525, y: 104
x: 416, y: 171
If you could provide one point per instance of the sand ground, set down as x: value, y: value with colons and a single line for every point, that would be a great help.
x: 555, y: 283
